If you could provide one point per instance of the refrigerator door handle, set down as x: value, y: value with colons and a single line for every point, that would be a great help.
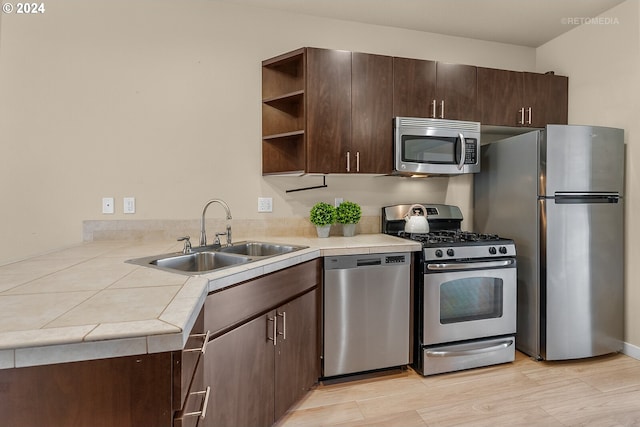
x: 590, y: 197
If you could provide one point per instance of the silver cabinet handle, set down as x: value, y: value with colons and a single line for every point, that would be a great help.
x: 202, y: 413
x: 348, y: 163
x: 433, y: 108
x: 284, y: 324
x: 521, y: 111
x: 529, y: 114
x: 275, y: 330
x: 357, y: 161
x: 442, y: 109
x: 479, y: 350
x: 204, y: 344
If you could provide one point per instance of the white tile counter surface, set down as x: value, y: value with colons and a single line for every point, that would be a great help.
x: 85, y: 302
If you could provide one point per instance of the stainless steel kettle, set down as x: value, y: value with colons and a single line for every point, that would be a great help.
x: 416, y: 223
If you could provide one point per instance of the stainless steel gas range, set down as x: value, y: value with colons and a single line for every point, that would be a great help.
x: 465, y: 292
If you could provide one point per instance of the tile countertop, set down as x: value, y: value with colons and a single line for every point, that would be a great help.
x: 85, y: 302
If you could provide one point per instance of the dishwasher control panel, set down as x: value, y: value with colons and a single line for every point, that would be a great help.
x: 366, y: 260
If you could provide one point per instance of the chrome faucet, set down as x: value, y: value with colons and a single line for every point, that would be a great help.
x: 203, y: 234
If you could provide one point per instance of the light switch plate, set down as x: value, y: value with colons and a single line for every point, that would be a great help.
x: 129, y: 205
x: 107, y: 205
x: 265, y: 204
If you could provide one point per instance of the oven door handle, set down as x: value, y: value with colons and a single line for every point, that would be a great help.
x: 470, y: 351
x: 469, y: 265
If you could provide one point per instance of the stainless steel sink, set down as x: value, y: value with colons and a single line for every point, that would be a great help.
x: 211, y: 258
x: 259, y: 249
x: 199, y: 261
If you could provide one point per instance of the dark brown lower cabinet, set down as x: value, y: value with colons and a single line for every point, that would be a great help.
x: 155, y: 390
x: 256, y: 379
x: 296, y: 352
x: 263, y: 355
x: 125, y: 392
x: 239, y: 367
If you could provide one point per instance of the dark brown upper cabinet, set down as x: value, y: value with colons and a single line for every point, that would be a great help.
x: 328, y: 118
x: 331, y: 111
x: 414, y: 87
x: 327, y: 111
x: 512, y: 98
x: 432, y: 89
x: 371, y: 114
x: 456, y: 91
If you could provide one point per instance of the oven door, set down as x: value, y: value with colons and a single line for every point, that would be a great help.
x: 468, y: 300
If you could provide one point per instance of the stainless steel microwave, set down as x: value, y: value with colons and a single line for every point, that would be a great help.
x: 435, y: 146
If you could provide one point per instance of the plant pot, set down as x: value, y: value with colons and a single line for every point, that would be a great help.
x: 323, y: 230
x: 348, y: 230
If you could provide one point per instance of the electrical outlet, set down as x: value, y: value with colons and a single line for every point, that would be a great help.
x: 265, y: 204
x: 129, y: 205
x: 337, y: 201
x: 107, y: 205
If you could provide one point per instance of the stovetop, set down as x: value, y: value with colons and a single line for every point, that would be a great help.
x: 453, y: 237
x: 458, y: 245
x: 446, y: 241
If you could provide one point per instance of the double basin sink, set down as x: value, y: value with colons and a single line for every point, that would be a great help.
x: 211, y: 258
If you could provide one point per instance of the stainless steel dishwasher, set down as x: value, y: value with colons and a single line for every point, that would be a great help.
x: 366, y: 312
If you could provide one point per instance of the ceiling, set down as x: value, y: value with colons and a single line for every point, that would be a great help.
x: 521, y: 22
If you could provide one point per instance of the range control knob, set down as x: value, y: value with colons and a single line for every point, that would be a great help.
x: 503, y: 250
x: 492, y: 250
x: 438, y: 253
x: 450, y: 252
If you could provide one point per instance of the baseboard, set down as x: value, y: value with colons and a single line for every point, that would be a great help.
x: 631, y: 350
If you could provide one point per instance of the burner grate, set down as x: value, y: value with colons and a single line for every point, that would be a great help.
x: 449, y: 236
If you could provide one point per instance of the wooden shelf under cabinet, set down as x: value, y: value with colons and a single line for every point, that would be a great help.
x: 283, y: 74
x: 283, y: 153
x: 283, y: 114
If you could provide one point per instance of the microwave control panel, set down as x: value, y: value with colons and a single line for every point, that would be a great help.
x: 471, y: 154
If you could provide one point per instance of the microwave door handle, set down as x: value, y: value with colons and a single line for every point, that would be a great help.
x: 463, y: 149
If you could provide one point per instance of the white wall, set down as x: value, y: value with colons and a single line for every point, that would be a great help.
x: 602, y: 61
x: 161, y: 100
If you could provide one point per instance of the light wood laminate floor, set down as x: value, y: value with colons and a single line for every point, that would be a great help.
x: 602, y: 391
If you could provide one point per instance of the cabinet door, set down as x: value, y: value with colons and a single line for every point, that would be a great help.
x: 239, y: 369
x: 297, y: 365
x: 414, y: 87
x: 536, y: 98
x: 328, y: 115
x: 371, y: 113
x: 547, y: 96
x: 129, y: 391
x: 456, y: 91
x: 500, y: 97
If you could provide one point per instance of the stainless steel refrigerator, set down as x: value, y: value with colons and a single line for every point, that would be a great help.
x: 558, y: 193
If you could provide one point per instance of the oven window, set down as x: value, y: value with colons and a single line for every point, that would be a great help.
x: 473, y: 298
x: 426, y: 149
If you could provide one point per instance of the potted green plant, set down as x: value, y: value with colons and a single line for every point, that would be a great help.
x: 322, y: 215
x: 348, y: 214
